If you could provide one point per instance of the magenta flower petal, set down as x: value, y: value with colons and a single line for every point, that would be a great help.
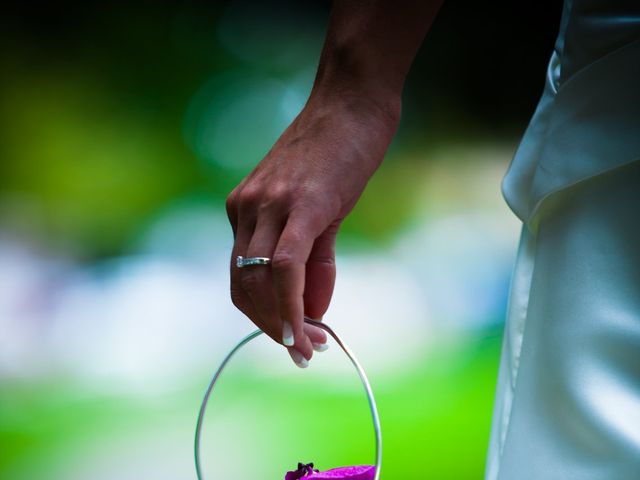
x: 304, y: 470
x: 357, y: 472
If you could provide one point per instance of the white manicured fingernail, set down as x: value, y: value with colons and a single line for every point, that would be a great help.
x: 298, y: 358
x: 320, y: 347
x: 287, y: 334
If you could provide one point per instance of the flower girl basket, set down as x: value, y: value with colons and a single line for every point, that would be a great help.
x: 306, y: 471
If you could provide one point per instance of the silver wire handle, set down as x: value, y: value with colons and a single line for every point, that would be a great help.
x: 354, y: 361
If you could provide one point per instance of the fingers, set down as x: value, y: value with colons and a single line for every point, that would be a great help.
x: 238, y: 296
x: 289, y: 272
x: 250, y: 285
x: 273, y: 298
x: 242, y: 233
x: 231, y: 206
x: 320, y: 279
x: 257, y: 282
x: 317, y: 337
x: 298, y: 358
x: 258, y: 293
x: 321, y: 273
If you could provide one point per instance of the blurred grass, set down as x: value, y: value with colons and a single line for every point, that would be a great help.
x: 435, y: 420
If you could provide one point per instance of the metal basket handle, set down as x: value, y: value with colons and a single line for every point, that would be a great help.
x: 343, y: 346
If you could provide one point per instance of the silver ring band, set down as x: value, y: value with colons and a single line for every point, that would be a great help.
x: 246, y: 262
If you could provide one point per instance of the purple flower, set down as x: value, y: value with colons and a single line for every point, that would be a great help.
x: 358, y: 472
x: 303, y: 470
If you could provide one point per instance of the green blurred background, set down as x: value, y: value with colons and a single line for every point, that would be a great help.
x: 122, y: 129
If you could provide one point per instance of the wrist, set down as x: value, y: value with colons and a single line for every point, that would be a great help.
x: 350, y: 69
x: 358, y: 118
x: 379, y: 106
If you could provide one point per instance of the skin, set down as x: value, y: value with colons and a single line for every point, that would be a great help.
x: 290, y: 207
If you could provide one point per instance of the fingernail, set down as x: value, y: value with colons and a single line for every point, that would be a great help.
x: 287, y: 334
x: 298, y: 358
x: 320, y: 347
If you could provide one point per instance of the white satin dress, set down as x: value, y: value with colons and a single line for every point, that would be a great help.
x: 568, y: 396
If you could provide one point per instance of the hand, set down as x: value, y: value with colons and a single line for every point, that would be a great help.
x: 290, y: 207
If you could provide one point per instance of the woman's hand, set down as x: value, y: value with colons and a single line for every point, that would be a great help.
x: 289, y: 208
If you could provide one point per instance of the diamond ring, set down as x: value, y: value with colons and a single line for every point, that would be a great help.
x: 245, y: 262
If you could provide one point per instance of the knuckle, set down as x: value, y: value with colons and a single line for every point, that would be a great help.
x: 231, y: 203
x: 297, y: 233
x: 277, y: 197
x: 280, y: 191
x: 324, y: 259
x: 232, y: 216
x: 237, y: 298
x: 313, y: 219
x: 282, y: 261
x: 250, y: 197
x: 249, y: 282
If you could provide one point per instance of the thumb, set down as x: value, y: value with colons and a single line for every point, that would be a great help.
x: 321, y: 273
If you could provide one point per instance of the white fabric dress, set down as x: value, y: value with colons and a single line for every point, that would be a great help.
x: 568, y: 396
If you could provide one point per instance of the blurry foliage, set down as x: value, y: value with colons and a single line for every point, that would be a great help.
x: 92, y: 166
x: 435, y: 419
x: 93, y: 99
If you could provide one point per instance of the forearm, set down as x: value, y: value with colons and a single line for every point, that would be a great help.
x: 369, y: 48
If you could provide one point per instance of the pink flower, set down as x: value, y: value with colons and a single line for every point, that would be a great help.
x: 358, y: 472
x: 304, y: 470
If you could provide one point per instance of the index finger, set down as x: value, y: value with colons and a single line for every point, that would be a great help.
x: 289, y: 268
